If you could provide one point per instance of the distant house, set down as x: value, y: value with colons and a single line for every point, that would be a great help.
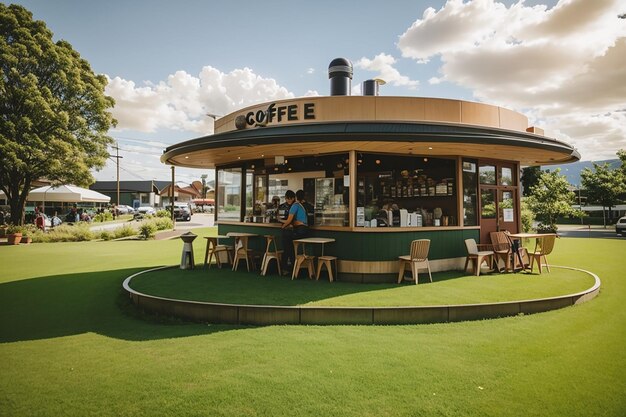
x: 135, y: 193
x: 184, y: 194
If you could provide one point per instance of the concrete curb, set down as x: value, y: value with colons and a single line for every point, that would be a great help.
x: 264, y: 315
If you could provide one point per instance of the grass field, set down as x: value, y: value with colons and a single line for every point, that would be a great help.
x: 71, y: 345
x: 454, y: 287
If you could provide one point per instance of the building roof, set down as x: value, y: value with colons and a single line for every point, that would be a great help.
x: 145, y: 186
x: 405, y: 125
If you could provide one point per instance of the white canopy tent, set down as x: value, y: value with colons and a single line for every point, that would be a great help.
x: 67, y: 194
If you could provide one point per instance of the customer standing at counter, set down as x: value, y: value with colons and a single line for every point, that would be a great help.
x: 295, y: 227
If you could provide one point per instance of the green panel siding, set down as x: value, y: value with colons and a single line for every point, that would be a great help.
x: 359, y: 246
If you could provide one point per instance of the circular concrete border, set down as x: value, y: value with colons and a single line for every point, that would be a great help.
x: 262, y: 315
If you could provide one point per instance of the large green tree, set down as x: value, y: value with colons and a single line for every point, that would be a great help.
x: 550, y: 199
x: 622, y: 156
x: 53, y: 111
x: 604, y: 186
x: 530, y: 178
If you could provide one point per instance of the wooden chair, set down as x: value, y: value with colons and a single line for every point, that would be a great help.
x: 329, y: 262
x: 477, y: 256
x: 417, y: 259
x: 213, y: 248
x: 501, y: 246
x: 543, y: 247
x: 242, y: 253
x: 302, y: 261
x: 271, y: 254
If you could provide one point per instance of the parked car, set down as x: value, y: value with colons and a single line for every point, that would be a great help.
x: 182, y: 211
x: 620, y: 226
x: 143, y: 211
x: 124, y: 209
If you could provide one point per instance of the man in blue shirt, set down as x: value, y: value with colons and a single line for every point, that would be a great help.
x: 295, y: 227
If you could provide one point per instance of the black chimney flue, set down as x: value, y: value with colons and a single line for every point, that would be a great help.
x: 340, y: 75
x: 369, y: 88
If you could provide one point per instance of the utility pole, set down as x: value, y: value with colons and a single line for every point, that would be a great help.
x: 117, y: 162
x: 203, y: 177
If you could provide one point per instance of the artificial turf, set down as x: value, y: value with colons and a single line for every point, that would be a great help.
x: 72, y: 345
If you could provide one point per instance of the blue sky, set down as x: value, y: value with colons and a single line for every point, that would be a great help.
x: 170, y: 63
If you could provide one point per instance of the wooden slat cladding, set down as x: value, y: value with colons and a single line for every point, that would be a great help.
x: 379, y: 108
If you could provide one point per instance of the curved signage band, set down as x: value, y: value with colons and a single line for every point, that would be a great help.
x: 367, y: 123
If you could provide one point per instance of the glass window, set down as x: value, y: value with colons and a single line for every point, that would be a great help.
x: 416, y: 190
x: 229, y: 194
x: 268, y: 183
x: 470, y: 177
x: 487, y: 204
x: 487, y: 174
x: 322, y: 180
x: 506, y: 176
x: 278, y: 188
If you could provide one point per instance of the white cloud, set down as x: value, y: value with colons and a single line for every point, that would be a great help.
x: 310, y: 70
x: 182, y: 102
x: 383, y: 64
x: 564, y: 66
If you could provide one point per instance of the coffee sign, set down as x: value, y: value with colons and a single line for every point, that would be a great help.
x: 276, y: 114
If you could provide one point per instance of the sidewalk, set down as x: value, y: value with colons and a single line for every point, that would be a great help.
x: 585, y: 227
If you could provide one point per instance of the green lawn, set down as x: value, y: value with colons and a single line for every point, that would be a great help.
x: 226, y: 286
x: 71, y: 345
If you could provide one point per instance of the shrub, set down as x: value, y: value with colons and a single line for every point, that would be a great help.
x: 124, y: 231
x: 527, y: 218
x: 147, y: 230
x: 82, y: 233
x: 164, y: 223
x: 163, y: 213
x: 65, y: 233
x: 103, y: 217
x: 106, y: 235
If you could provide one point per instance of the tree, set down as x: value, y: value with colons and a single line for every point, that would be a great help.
x: 53, y: 110
x: 550, y: 199
x: 622, y: 156
x: 604, y: 186
x: 530, y: 178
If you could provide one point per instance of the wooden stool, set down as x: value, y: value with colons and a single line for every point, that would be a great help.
x: 329, y: 261
x: 214, y: 248
x: 271, y: 254
x: 302, y: 260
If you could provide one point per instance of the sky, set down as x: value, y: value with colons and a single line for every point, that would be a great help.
x: 170, y: 63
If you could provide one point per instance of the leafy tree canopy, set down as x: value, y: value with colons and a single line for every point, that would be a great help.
x: 530, y: 178
x: 550, y: 199
x: 53, y: 110
x: 604, y: 185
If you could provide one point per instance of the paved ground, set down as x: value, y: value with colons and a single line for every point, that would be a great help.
x: 197, y: 220
x: 577, y: 230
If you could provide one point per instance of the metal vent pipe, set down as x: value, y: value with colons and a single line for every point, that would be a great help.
x: 340, y: 75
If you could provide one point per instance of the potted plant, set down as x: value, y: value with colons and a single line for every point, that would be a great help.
x: 14, y: 234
